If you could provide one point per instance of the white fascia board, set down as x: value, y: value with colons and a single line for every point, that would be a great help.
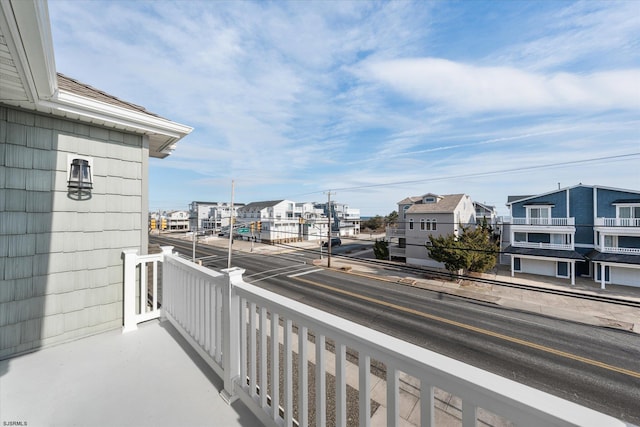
x: 624, y: 190
x: 114, y: 115
x: 34, y: 34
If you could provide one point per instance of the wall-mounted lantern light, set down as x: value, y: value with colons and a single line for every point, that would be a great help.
x: 80, y: 182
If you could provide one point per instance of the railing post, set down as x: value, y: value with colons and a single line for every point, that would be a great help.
x: 129, y: 309
x: 231, y: 334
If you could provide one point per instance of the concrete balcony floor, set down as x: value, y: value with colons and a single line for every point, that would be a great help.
x: 149, y: 377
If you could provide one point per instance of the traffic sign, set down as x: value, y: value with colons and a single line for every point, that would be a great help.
x: 243, y: 230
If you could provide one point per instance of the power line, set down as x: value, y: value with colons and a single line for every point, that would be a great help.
x: 482, y: 174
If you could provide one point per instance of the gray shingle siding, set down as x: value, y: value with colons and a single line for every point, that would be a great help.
x: 60, y: 259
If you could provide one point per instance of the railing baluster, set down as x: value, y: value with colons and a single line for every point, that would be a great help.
x: 469, y: 414
x: 218, y: 332
x: 303, y: 377
x: 155, y: 285
x: 143, y: 287
x: 252, y: 351
x: 207, y: 318
x: 264, y: 368
x: 200, y: 305
x: 364, y: 384
x: 275, y: 366
x: 393, y: 408
x: 288, y: 374
x: 427, y: 409
x: 321, y: 382
x: 341, y: 385
x: 243, y: 344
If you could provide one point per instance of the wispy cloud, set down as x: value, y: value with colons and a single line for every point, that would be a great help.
x: 470, y: 89
x: 299, y: 97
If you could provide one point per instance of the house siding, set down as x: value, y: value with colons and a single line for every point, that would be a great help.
x: 581, y: 201
x: 537, y: 266
x: 627, y: 276
x: 60, y: 259
x: 605, y: 199
x: 558, y: 200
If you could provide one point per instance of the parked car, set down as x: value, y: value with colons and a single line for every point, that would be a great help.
x: 335, y: 241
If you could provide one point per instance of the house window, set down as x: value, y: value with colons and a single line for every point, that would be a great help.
x: 610, y: 242
x: 539, y: 215
x: 629, y: 216
x: 404, y: 211
x: 433, y: 224
x: 562, y: 269
x: 428, y: 243
x: 519, y: 237
x: 560, y: 239
x: 422, y: 224
x: 411, y: 224
x: 429, y: 199
x: 516, y: 264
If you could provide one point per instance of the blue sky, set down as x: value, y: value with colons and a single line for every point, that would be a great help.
x: 375, y: 101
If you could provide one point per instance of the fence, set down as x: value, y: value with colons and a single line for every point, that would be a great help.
x: 271, y: 351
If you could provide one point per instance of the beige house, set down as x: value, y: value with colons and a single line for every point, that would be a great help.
x: 428, y: 215
x: 73, y: 190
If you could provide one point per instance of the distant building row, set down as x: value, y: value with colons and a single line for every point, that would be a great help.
x: 588, y: 231
x: 280, y: 221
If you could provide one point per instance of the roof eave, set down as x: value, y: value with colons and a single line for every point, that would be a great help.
x: 28, y: 33
x: 163, y: 133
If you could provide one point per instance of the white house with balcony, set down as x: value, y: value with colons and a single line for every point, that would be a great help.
x: 345, y: 220
x: 576, y: 231
x: 272, y: 221
x: 211, y: 216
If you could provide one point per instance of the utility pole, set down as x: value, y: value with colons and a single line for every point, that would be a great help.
x: 230, y: 226
x: 329, y: 230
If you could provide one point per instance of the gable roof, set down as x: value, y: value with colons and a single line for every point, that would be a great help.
x: 74, y: 86
x: 482, y: 205
x: 514, y: 199
x: 446, y: 204
x: 409, y: 200
x: 260, y: 205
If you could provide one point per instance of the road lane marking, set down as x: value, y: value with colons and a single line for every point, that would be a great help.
x: 477, y: 329
x: 274, y: 275
x: 306, y: 272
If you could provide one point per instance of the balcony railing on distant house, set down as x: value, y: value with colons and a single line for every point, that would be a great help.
x: 617, y: 250
x: 617, y: 222
x: 395, y: 232
x: 544, y: 221
x: 245, y: 332
x: 540, y: 245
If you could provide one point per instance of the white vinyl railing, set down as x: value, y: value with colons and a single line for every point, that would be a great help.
x: 254, y: 339
x: 618, y: 222
x: 141, y: 274
x: 616, y: 250
x: 539, y: 245
x: 544, y: 221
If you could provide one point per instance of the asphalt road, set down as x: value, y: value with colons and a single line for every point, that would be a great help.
x: 593, y: 366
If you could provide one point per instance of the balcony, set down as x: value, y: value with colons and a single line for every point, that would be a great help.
x: 544, y: 221
x: 617, y: 250
x: 395, y: 232
x: 539, y: 245
x: 274, y: 355
x: 617, y: 222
